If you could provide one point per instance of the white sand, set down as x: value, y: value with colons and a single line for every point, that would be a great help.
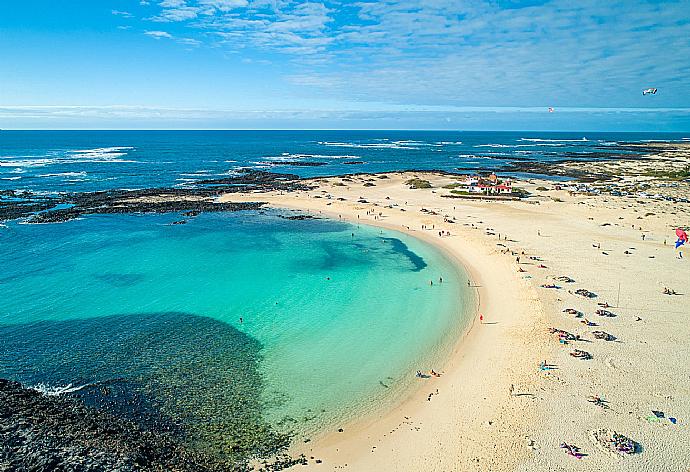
x: 474, y: 423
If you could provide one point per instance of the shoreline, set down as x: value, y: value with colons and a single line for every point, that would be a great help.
x: 496, y: 409
x: 339, y: 449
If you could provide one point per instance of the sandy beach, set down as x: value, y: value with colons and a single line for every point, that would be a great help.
x: 494, y: 408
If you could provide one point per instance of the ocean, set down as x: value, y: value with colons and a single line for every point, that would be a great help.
x: 69, y: 161
x: 235, y: 327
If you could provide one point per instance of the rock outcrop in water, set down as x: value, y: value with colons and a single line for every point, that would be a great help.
x: 194, y: 200
x: 42, y: 433
x: 146, y: 396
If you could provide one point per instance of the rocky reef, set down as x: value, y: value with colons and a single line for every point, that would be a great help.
x: 196, y: 199
x: 134, y: 392
x: 41, y: 433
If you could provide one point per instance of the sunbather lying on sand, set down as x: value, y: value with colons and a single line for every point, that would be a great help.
x: 584, y: 355
x: 572, y: 450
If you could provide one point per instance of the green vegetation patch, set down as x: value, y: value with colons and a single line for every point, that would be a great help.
x: 418, y: 183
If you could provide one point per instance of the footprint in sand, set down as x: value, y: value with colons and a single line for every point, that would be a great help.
x: 620, y: 365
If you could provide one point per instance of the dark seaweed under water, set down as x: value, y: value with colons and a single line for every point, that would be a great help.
x: 154, y: 373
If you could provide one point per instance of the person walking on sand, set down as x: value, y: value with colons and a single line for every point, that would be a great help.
x: 481, y: 318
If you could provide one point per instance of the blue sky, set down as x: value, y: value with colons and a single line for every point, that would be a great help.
x: 440, y: 64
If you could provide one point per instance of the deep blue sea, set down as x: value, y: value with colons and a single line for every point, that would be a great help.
x: 55, y: 161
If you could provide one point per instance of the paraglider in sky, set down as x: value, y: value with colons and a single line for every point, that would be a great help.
x: 682, y: 237
x: 648, y: 91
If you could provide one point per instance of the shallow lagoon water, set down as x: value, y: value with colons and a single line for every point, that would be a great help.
x: 300, y: 325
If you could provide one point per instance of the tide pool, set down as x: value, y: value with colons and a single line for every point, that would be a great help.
x: 235, y: 328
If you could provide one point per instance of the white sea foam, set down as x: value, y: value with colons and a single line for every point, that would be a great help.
x: 10, y: 178
x: 65, y: 174
x: 539, y: 140
x: 473, y: 156
x: 27, y: 163
x: 393, y: 145
x: 104, y: 150
x: 286, y: 156
x: 449, y: 143
x: 111, y: 154
x: 494, y: 145
x: 54, y: 391
x: 414, y: 143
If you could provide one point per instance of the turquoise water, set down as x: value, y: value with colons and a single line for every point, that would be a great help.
x: 335, y: 318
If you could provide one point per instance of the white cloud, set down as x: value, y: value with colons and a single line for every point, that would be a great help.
x: 224, y: 5
x: 189, y: 42
x: 180, y: 13
x: 158, y: 34
x: 124, y: 14
x: 139, y: 117
x: 551, y: 52
x: 173, y: 3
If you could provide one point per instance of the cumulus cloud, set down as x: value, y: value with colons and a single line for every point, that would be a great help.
x: 462, y: 52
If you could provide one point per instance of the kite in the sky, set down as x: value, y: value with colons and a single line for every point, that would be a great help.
x: 550, y: 109
x: 682, y: 237
x: 648, y: 91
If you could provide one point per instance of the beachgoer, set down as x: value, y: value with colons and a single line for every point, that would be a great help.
x: 440, y: 280
x: 241, y: 320
x: 481, y: 318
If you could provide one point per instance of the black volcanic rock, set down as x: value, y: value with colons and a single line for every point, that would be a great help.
x: 192, y: 201
x: 43, y: 433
